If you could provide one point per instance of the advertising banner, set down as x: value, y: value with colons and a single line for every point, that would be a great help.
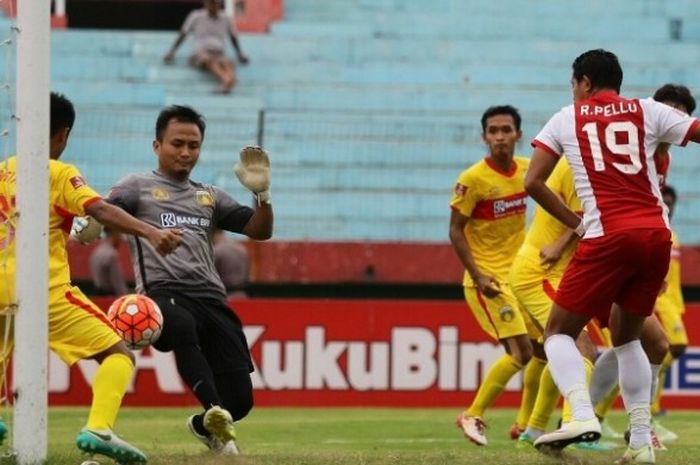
x: 354, y: 353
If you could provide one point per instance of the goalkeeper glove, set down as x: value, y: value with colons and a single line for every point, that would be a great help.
x: 253, y: 171
x: 85, y: 229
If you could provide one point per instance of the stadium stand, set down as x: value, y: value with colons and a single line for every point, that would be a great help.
x: 371, y: 107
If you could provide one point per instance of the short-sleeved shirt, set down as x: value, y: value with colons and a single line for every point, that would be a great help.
x: 210, y: 34
x: 69, y: 195
x: 609, y: 142
x: 196, y: 208
x: 495, y: 202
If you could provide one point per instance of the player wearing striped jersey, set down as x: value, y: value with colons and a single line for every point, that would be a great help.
x: 487, y: 226
x: 659, y: 329
x: 78, y: 329
x: 623, y: 257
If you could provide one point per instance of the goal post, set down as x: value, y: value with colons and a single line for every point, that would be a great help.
x: 31, y: 323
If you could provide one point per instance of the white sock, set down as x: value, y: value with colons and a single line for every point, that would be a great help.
x: 605, y: 376
x: 569, y: 373
x: 655, y: 369
x: 635, y: 384
x: 534, y: 433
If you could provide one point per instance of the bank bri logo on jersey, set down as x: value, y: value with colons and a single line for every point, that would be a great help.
x: 167, y: 220
x: 491, y: 209
x: 171, y: 220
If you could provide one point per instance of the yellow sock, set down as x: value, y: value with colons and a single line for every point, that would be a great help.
x: 547, y: 398
x: 531, y: 385
x: 566, y: 414
x: 493, y: 384
x: 108, y: 388
x: 665, y: 365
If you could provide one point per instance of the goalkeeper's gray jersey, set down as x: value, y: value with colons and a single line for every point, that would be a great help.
x: 197, y: 209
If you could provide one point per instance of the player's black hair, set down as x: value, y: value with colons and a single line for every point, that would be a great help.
x: 501, y: 110
x: 676, y: 93
x: 179, y: 113
x: 670, y: 191
x: 601, y: 67
x: 62, y: 113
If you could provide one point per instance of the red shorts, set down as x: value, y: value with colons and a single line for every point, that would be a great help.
x: 627, y: 268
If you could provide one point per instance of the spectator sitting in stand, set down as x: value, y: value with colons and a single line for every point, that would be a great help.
x: 210, y: 26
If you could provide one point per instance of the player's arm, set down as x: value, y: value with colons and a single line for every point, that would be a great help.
x: 542, y: 164
x: 242, y: 57
x: 260, y: 225
x: 551, y: 253
x: 486, y: 284
x: 170, y: 56
x: 163, y: 240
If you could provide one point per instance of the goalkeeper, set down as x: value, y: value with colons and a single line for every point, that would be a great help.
x: 211, y: 351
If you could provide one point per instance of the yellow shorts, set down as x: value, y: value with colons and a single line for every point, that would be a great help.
x: 78, y: 329
x: 500, y: 317
x: 534, y: 286
x: 672, y: 322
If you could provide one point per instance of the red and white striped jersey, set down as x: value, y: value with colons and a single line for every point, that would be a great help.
x: 609, y: 142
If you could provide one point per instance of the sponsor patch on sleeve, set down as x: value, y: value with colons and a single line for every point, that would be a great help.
x: 77, y: 182
x: 460, y: 189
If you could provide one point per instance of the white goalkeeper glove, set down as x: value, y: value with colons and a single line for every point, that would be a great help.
x: 253, y: 171
x: 85, y: 229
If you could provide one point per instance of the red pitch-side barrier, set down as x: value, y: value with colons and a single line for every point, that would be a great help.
x: 354, y: 353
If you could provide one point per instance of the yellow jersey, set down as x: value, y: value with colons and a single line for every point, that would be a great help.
x: 672, y: 298
x: 495, y: 202
x: 545, y: 229
x: 69, y: 195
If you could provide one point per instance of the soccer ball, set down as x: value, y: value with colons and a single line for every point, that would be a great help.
x: 137, y: 319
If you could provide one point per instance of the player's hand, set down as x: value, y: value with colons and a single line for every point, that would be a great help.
x: 165, y: 241
x: 85, y: 229
x: 488, y: 286
x: 253, y: 171
x: 549, y: 255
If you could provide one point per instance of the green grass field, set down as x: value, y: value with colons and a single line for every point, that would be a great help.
x: 354, y: 436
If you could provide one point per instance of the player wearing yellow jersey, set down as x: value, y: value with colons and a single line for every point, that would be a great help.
x: 78, y: 329
x: 534, y: 278
x: 487, y: 227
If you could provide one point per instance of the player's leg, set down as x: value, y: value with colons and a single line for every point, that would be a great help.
x: 672, y: 322
x: 226, y: 348
x: 531, y: 386
x: 650, y: 252
x: 79, y: 330
x: 180, y: 335
x: 569, y: 372
x: 635, y: 377
x: 528, y: 285
x: 501, y: 319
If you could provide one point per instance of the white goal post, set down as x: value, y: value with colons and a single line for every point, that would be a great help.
x: 31, y: 330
